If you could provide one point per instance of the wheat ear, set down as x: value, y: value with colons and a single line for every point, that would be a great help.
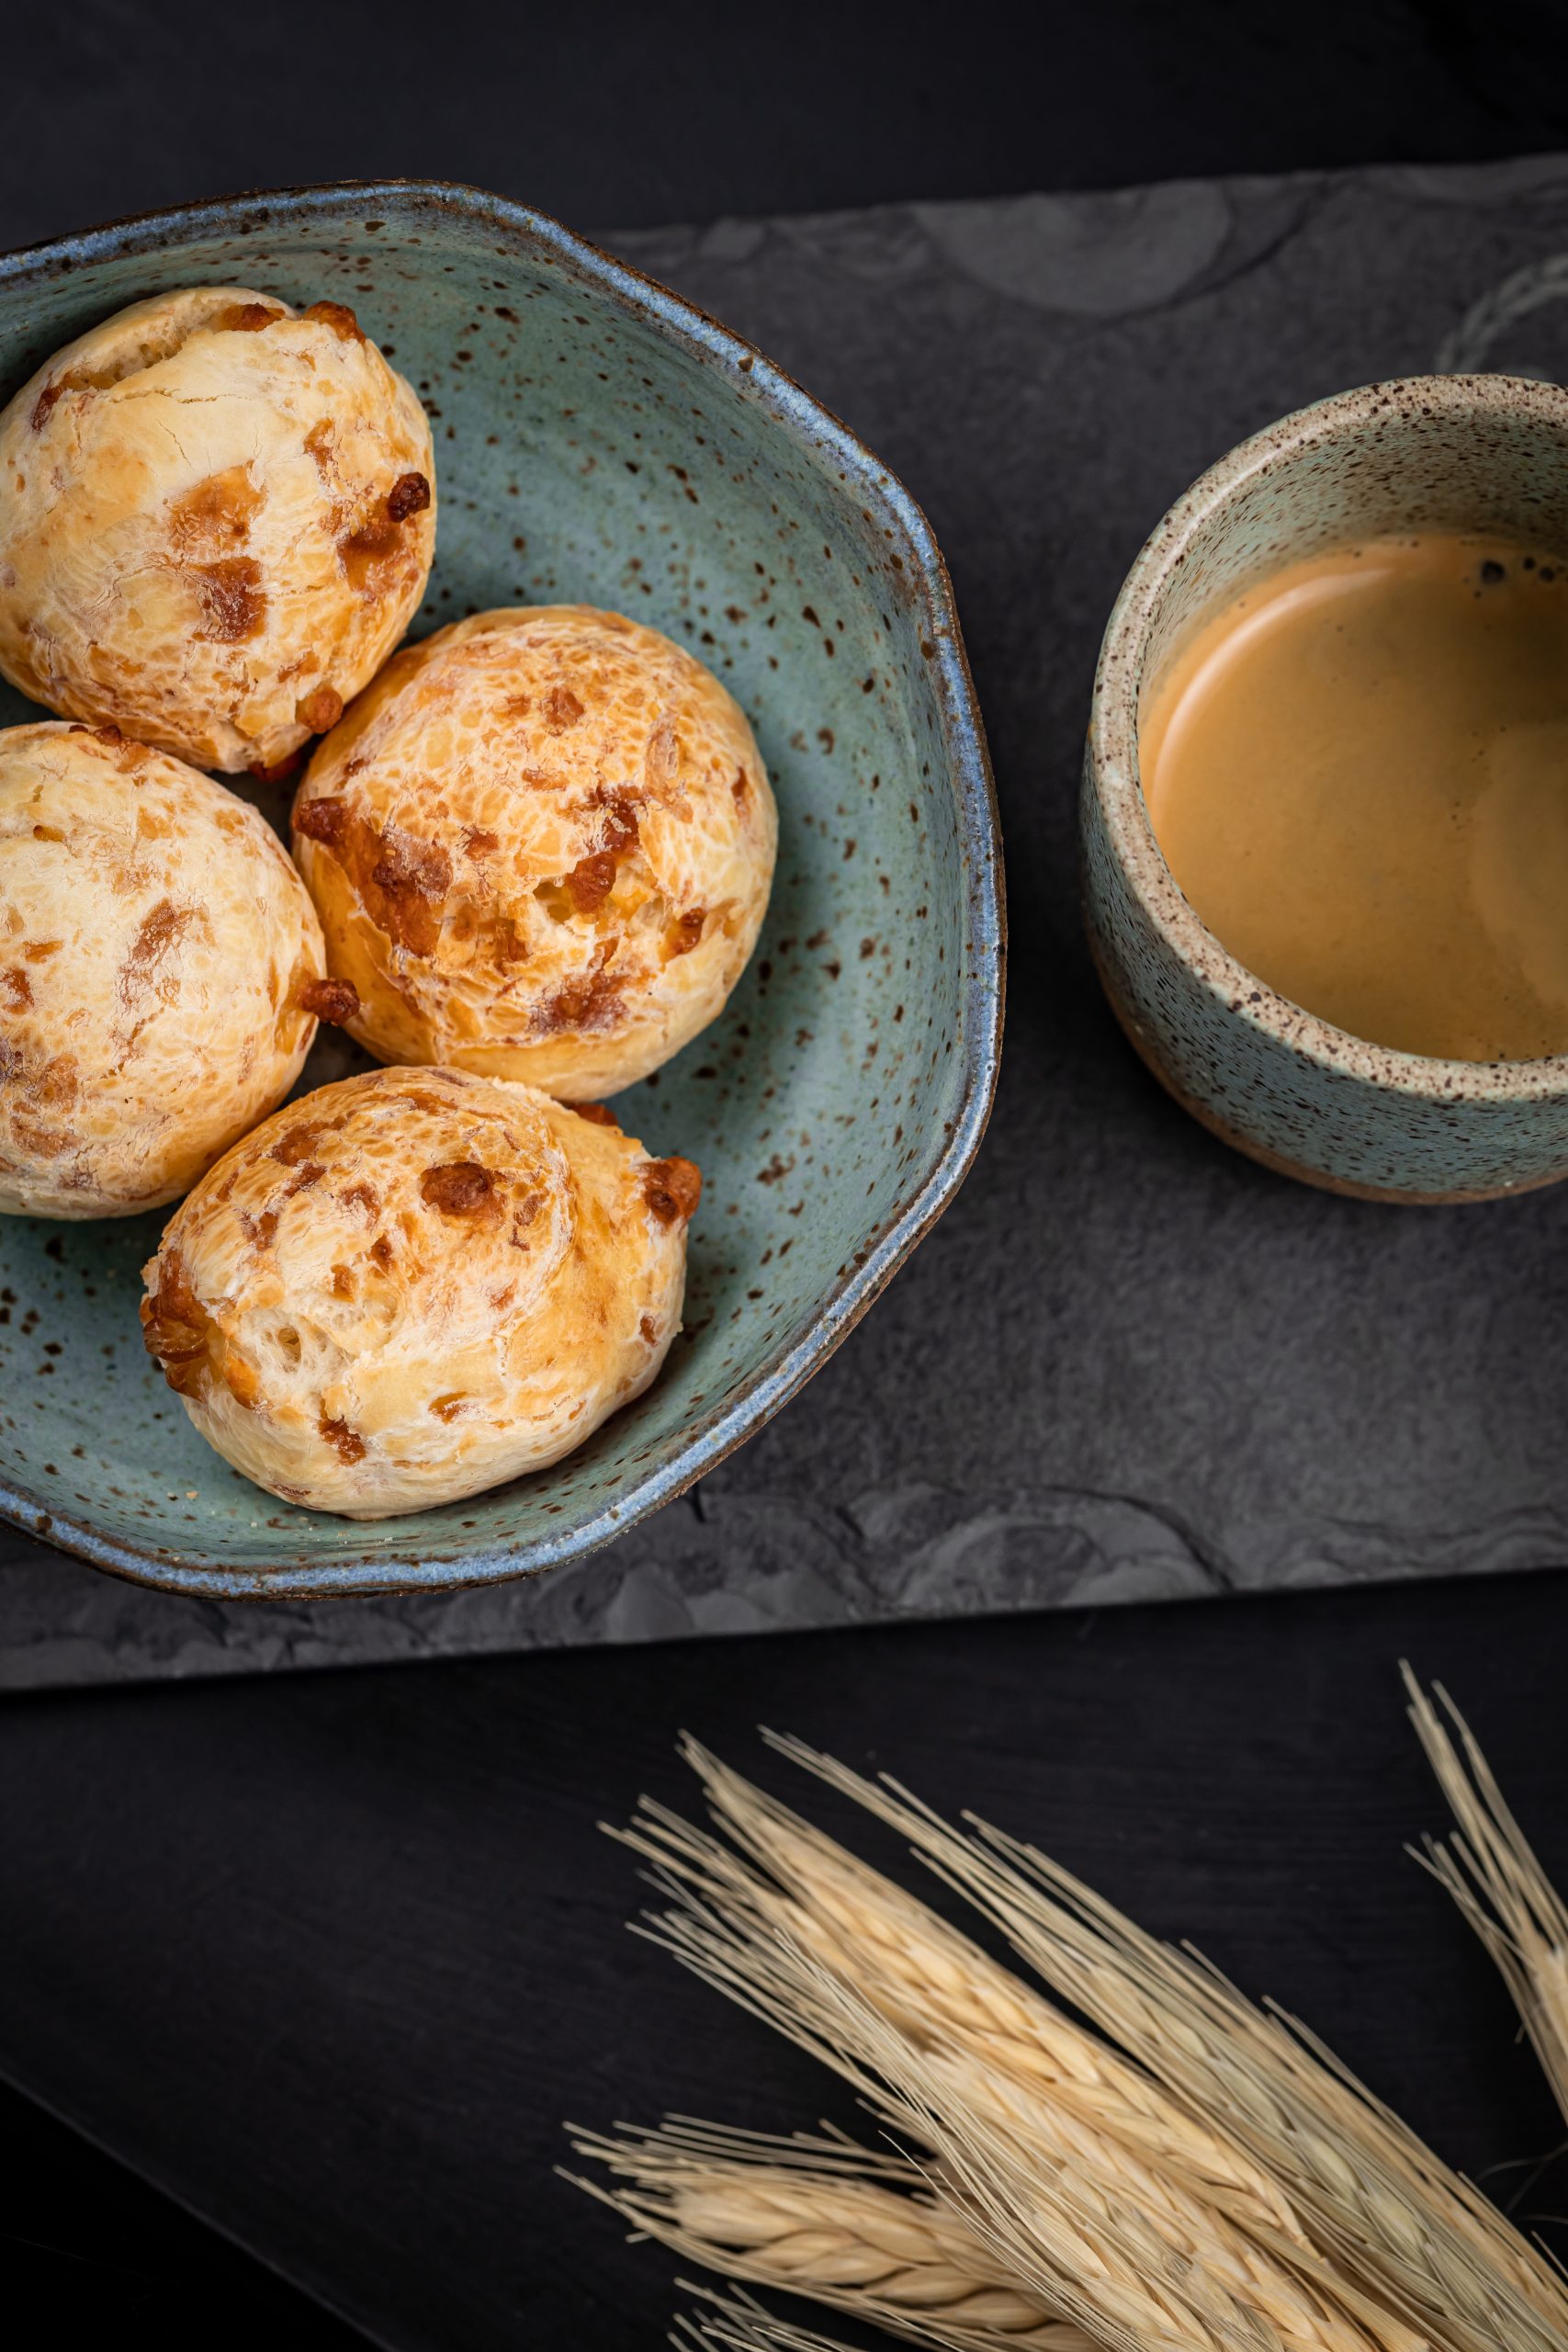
x: 1492, y: 1874
x: 1120, y: 2247
x: 791, y: 1881
x: 820, y: 2218
x: 1178, y: 2253
x: 1398, y: 2225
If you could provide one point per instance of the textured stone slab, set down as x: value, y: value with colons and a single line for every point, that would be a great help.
x: 1126, y: 1364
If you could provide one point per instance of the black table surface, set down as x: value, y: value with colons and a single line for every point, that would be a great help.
x: 329, y: 1960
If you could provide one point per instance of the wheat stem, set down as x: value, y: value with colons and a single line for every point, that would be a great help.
x: 1492, y: 1874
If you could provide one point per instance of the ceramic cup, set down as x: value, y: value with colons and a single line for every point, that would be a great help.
x: 1484, y: 454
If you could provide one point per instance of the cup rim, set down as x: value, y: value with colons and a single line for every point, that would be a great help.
x: 1114, y: 742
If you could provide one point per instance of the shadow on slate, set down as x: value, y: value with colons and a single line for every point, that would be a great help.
x: 350, y: 1948
x: 1127, y: 1364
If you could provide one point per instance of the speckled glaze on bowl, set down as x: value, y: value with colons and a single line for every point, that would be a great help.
x: 598, y: 441
x: 1487, y: 453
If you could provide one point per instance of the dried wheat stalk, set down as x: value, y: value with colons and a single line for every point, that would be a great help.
x: 1398, y: 2227
x: 1494, y: 1876
x: 929, y: 1980
x: 1123, y: 2249
x: 1089, y: 2173
x: 819, y: 2216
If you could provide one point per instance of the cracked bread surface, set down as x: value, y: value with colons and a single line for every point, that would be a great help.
x: 541, y: 845
x: 218, y: 517
x: 416, y: 1284
x: 160, y: 972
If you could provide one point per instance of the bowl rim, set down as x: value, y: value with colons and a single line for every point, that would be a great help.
x: 1117, y: 783
x: 715, y: 1434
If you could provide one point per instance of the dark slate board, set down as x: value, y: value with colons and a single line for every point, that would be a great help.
x: 1127, y: 1364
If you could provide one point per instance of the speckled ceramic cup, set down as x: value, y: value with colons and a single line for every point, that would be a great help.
x: 1487, y: 453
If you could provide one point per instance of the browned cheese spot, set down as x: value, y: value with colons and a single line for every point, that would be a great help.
x: 506, y: 943
x: 599, y: 1114
x: 245, y: 318
x: 320, y: 709
x: 410, y: 494
x: 182, y: 1338
x: 592, y: 879
x: 649, y: 1330
x: 339, y: 317
x: 213, y: 518
x: 375, y: 557
x: 406, y: 886
x: 562, y: 709
x: 347, y: 1443
x: 323, y: 820
x: 685, y: 933
x: 671, y: 1189
x: 276, y: 771
x: 44, y: 405
x: 334, y: 1001
x: 16, y: 990
x: 446, y: 1408
x: 261, y: 1232
x: 460, y: 1188
x: 319, y: 445
x: 160, y: 930
x: 295, y: 1146
x: 381, y: 1252
x: 39, y: 951
x: 364, y: 1196
x: 176, y: 1330
x: 342, y: 1282
x: 121, y: 749
x: 591, y: 1000
x: 50, y: 1085
x: 367, y: 556
x: 233, y: 602
x: 417, y: 1100
x: 742, y: 788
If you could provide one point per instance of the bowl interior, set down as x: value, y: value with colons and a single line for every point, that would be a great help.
x: 598, y: 443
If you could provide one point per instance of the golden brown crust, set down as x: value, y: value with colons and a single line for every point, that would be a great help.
x: 541, y: 847
x: 158, y: 953
x: 416, y: 1284
x: 212, y: 535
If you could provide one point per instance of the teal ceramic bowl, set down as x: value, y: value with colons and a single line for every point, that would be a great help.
x: 597, y: 441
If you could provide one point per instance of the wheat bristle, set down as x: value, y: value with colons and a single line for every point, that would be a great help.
x: 739, y: 2324
x: 1491, y: 1871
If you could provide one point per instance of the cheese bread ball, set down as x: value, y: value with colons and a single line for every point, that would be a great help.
x: 540, y: 846
x: 415, y: 1284
x: 161, y: 973
x: 217, y: 518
